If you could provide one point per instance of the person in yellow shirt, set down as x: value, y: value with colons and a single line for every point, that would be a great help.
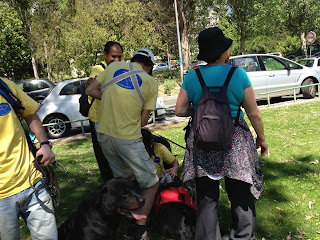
x: 112, y: 53
x: 160, y: 154
x: 128, y: 94
x: 17, y: 197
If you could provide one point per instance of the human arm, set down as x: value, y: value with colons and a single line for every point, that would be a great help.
x: 93, y: 89
x: 183, y: 106
x: 145, y: 114
x: 174, y: 170
x: 253, y: 113
x: 36, y: 127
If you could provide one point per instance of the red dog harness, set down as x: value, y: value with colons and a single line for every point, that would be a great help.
x: 173, y: 194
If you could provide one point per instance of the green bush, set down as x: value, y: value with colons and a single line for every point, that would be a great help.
x: 168, y: 86
x: 162, y: 76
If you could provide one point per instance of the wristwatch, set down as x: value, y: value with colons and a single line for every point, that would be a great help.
x: 46, y: 142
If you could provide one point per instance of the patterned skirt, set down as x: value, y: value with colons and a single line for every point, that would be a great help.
x: 240, y: 162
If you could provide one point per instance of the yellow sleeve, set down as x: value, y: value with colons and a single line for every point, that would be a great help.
x: 96, y: 70
x: 30, y: 105
x: 166, y: 155
x: 103, y: 76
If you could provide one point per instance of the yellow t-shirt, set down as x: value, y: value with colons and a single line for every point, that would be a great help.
x: 94, y: 109
x: 120, y: 110
x: 15, y: 156
x: 162, y: 155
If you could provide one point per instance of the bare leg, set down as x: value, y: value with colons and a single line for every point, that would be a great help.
x: 149, y: 195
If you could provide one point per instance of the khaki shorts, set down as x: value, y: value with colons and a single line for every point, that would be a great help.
x: 129, y: 156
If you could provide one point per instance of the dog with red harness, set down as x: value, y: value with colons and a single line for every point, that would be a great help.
x: 175, y: 209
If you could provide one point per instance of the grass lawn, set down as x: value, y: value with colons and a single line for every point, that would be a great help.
x: 289, y: 207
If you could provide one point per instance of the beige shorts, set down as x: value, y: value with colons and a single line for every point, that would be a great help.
x: 129, y: 156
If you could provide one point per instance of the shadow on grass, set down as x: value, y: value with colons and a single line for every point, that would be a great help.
x: 274, y: 222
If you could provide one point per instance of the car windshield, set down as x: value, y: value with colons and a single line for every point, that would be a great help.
x: 306, y: 62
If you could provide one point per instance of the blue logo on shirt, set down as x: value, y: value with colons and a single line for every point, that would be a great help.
x: 4, y: 109
x: 127, y: 82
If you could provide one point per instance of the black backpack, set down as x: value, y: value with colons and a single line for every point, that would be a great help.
x: 84, y: 105
x: 212, y: 122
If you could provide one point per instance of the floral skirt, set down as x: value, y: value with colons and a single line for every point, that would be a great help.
x: 240, y: 162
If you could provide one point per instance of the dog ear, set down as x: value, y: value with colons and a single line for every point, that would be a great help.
x: 102, y: 190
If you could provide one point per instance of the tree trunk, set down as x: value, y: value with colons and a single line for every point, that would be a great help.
x: 33, y: 60
x: 185, y: 44
x: 35, y: 67
x: 303, y: 44
x: 184, y: 37
x: 46, y: 57
x: 242, y: 42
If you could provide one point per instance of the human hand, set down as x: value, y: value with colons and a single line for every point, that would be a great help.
x: 47, y: 155
x: 90, y: 80
x: 172, y: 171
x: 263, y: 144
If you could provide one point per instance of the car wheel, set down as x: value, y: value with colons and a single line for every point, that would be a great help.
x: 59, y: 130
x: 309, y: 92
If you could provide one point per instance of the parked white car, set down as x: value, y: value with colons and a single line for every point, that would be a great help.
x: 62, y: 104
x: 160, y: 67
x: 269, y: 73
x: 312, y: 62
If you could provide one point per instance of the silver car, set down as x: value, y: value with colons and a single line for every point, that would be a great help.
x: 269, y: 73
x: 312, y: 62
x: 161, y: 67
x: 62, y: 104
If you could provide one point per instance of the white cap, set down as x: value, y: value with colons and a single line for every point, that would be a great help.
x: 145, y: 52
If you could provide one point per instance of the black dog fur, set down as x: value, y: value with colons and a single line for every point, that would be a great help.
x: 98, y: 216
x: 176, y: 220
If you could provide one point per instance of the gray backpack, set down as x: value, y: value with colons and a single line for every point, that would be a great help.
x: 212, y: 123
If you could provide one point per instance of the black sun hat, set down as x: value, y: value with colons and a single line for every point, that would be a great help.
x: 212, y: 43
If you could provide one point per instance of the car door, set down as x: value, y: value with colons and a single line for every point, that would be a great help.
x: 317, y: 65
x: 280, y: 74
x: 69, y: 101
x: 257, y: 77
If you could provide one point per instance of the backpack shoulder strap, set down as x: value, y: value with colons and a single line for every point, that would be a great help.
x: 200, y: 77
x: 136, y: 84
x: 13, y: 100
x: 119, y: 78
x: 226, y: 83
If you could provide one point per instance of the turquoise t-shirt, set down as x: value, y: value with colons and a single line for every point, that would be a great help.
x: 215, y: 76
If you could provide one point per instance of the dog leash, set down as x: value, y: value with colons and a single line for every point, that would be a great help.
x: 49, y: 180
x: 63, y: 169
x: 167, y: 139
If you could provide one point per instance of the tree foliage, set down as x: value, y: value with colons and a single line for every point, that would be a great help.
x: 65, y: 37
x: 14, y: 51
